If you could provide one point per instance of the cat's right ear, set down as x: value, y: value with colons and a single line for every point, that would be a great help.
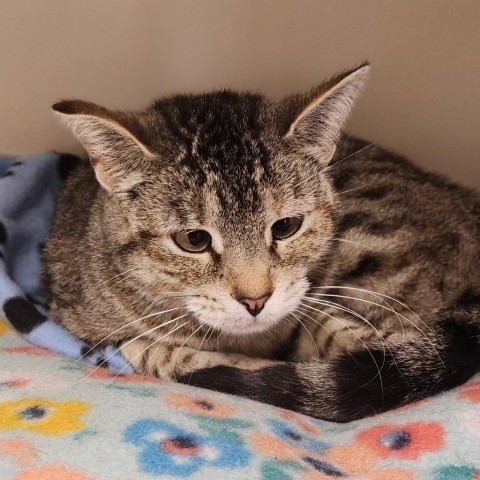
x: 112, y: 140
x: 315, y: 120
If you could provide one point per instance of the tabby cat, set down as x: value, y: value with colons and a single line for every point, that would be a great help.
x: 243, y: 245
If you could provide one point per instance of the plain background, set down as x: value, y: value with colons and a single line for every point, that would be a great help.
x: 423, y: 99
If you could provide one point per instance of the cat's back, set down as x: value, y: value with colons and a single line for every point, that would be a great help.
x: 402, y: 228
x: 367, y: 176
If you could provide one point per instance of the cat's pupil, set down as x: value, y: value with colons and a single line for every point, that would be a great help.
x: 196, y: 237
x: 283, y: 225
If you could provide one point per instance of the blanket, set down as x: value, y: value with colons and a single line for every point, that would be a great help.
x: 65, y: 419
x: 29, y: 188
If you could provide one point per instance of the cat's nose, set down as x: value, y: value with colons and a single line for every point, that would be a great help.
x: 254, y: 305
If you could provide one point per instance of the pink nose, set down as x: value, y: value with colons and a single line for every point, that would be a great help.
x: 254, y: 305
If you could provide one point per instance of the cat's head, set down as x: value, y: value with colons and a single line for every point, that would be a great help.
x: 222, y: 199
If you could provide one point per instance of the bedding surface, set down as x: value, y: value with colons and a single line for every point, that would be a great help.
x: 67, y: 419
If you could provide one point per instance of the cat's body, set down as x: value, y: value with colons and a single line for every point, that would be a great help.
x: 263, y: 323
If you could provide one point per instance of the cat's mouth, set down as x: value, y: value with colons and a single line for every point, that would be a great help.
x: 254, y: 325
x: 247, y: 316
x: 239, y: 324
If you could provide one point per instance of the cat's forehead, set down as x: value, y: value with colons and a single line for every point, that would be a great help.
x: 228, y: 161
x: 226, y: 188
x: 221, y: 127
x: 222, y: 147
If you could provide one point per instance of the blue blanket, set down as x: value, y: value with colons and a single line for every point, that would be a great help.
x: 29, y: 188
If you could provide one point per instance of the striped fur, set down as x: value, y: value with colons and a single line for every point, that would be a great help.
x: 373, y: 303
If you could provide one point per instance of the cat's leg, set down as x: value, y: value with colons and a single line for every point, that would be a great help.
x: 171, y: 361
x: 328, y: 333
x: 374, y: 377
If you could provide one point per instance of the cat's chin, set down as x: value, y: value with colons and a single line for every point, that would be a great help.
x: 251, y: 329
x: 247, y: 327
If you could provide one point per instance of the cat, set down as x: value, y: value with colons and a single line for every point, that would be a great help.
x: 249, y: 246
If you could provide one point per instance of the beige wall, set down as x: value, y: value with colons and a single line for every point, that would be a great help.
x: 423, y: 99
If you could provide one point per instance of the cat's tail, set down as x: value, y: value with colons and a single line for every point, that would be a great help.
x: 365, y: 382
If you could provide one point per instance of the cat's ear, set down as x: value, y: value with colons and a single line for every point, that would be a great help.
x: 112, y: 140
x: 319, y: 116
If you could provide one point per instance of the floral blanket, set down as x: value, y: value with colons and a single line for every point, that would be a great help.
x: 67, y: 420
x: 64, y: 419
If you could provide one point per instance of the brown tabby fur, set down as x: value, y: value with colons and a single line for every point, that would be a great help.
x: 233, y: 164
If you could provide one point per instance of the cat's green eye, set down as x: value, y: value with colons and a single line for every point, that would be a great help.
x: 286, y: 227
x: 195, y: 241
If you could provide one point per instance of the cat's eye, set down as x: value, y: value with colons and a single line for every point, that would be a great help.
x: 195, y: 241
x: 286, y: 227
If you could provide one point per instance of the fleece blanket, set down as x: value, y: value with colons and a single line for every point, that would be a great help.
x: 65, y: 419
x: 29, y: 188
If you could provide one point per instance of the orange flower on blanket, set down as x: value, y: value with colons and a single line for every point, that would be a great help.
x: 289, y: 443
x: 273, y: 447
x: 471, y: 392
x: 42, y: 415
x: 354, y: 459
x: 4, y: 327
x: 377, y: 474
x: 37, y: 382
x: 22, y: 451
x: 349, y: 461
x: 33, y: 351
x: 407, y: 441
x: 10, y: 380
x: 199, y: 405
x: 299, y: 421
x: 106, y: 374
x: 390, y: 474
x: 52, y: 472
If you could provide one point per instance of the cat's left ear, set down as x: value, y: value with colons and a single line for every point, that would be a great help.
x: 319, y: 116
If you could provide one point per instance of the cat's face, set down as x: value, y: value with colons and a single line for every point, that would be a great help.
x: 221, y: 200
x: 237, y: 229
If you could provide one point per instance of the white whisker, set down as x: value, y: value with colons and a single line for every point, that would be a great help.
x: 181, y: 346
x: 364, y: 344
x: 118, y: 275
x: 105, y: 361
x: 356, y: 314
x: 157, y: 341
x: 345, y: 309
x: 416, y: 327
x: 338, y: 239
x: 371, y: 292
x: 349, y: 156
x: 124, y: 326
x: 308, y: 331
x: 337, y: 194
x: 198, y: 350
x: 302, y: 307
